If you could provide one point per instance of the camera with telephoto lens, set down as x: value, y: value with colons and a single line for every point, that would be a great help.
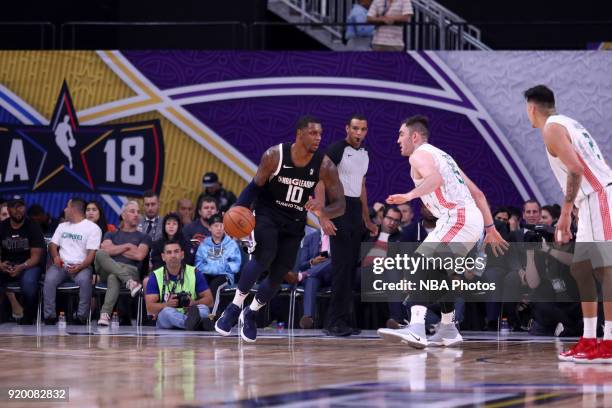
x: 537, y: 232
x: 183, y: 299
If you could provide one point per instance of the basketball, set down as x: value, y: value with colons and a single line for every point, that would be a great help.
x: 238, y: 222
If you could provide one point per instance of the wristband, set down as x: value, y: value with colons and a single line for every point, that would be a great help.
x: 489, y: 226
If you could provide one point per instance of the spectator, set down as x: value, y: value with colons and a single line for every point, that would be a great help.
x: 199, y: 229
x: 417, y: 232
x: 407, y: 215
x: 515, y: 218
x: 359, y: 37
x: 313, y: 265
x: 548, y: 215
x: 172, y: 231
x: 95, y: 214
x: 213, y: 188
x: 502, y: 214
x: 184, y: 208
x: 119, y: 259
x: 72, y: 249
x: 167, y: 282
x: 150, y: 223
x: 389, y: 232
x: 21, y: 249
x: 390, y: 13
x: 531, y: 216
x: 37, y: 214
x: 218, y: 256
x: 4, y: 214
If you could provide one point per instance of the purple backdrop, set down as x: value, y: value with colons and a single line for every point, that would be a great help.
x: 253, y: 124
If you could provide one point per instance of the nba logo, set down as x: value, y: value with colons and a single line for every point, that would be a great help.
x: 311, y: 172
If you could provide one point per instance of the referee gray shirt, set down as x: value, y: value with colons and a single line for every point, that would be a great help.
x: 352, y: 165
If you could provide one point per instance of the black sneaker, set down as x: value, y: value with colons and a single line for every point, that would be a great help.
x: 192, y: 322
x: 228, y: 319
x: 79, y: 321
x: 207, y: 324
x: 340, y: 330
x: 248, y: 318
x: 50, y: 321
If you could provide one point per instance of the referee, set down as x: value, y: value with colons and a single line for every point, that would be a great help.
x: 351, y: 159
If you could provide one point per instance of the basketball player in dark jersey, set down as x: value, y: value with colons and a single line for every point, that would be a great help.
x: 283, y: 191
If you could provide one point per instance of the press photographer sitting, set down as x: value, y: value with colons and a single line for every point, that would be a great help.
x: 175, y: 287
x: 553, y: 293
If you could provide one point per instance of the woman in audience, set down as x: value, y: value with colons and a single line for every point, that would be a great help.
x: 95, y: 214
x: 172, y: 230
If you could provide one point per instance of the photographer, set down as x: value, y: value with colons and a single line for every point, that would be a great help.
x: 173, y: 288
x: 551, y: 289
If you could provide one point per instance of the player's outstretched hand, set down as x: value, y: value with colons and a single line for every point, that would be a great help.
x: 499, y: 246
x: 328, y: 226
x: 314, y: 205
x: 398, y: 199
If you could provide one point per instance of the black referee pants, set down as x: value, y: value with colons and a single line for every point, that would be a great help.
x: 345, y: 247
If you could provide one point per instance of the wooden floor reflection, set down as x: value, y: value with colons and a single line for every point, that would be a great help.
x: 165, y: 368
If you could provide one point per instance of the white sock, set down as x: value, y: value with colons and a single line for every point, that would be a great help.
x: 417, y: 314
x: 590, y: 328
x: 255, y: 305
x: 608, y: 330
x: 447, y: 318
x: 239, y: 298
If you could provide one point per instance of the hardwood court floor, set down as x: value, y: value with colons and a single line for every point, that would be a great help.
x: 130, y: 368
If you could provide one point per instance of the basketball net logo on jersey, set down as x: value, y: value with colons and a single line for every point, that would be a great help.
x: 295, y: 191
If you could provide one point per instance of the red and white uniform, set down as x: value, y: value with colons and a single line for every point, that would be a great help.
x: 595, y: 195
x: 459, y: 219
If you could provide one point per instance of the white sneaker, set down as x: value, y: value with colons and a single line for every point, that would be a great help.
x: 133, y: 286
x: 413, y: 335
x: 447, y: 335
x: 104, y: 319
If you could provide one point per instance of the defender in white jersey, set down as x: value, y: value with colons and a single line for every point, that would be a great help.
x: 462, y: 212
x: 586, y: 180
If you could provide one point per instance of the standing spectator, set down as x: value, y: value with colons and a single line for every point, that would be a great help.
x: 172, y: 231
x: 213, y: 188
x: 4, y: 214
x: 352, y: 160
x: 184, y: 208
x: 150, y: 224
x: 166, y: 283
x: 407, y: 215
x: 390, y: 13
x: 359, y: 37
x: 95, y: 214
x: 21, y: 248
x: 218, y: 256
x: 119, y: 259
x: 73, y: 249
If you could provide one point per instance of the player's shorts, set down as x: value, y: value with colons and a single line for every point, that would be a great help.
x: 277, y: 240
x: 459, y: 226
x: 594, y: 236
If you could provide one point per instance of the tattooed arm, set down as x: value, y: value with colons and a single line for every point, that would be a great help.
x: 558, y: 143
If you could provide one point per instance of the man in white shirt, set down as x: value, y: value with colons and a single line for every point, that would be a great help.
x: 73, y: 249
